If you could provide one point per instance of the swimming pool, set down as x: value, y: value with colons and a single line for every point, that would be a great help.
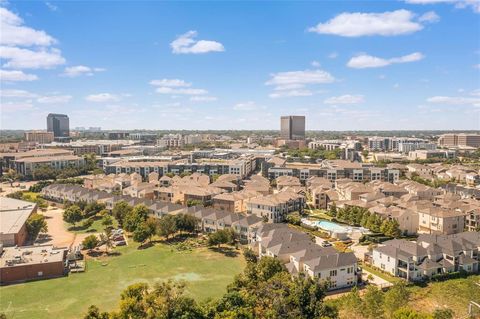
x: 333, y: 227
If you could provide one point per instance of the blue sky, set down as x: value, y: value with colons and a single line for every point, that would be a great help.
x: 359, y: 65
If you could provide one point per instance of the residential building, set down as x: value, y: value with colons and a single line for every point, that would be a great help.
x: 234, y: 202
x: 26, y: 166
x: 39, y: 137
x: 13, y: 216
x: 429, y: 255
x: 275, y: 207
x: 462, y: 140
x: 301, y: 255
x: 435, y: 220
x: 428, y: 154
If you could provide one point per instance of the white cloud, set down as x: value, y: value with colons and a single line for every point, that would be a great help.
x: 173, y: 91
x: 42, y: 58
x: 454, y: 100
x: 79, y: 70
x: 102, y: 97
x: 16, y: 76
x: 477, y: 66
x: 345, y: 99
x: 16, y: 34
x: 368, y: 61
x: 186, y: 43
x: 51, y: 6
x: 170, y: 83
x: 203, y: 98
x: 475, y: 92
x: 333, y: 55
x: 54, y: 99
x: 460, y: 4
x: 301, y: 77
x: 12, y: 93
x: 358, y: 24
x: 293, y: 83
x: 315, y: 64
x: 430, y: 17
x: 15, y: 106
x: 291, y: 93
x: 247, y: 106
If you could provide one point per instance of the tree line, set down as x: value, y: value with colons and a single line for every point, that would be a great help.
x: 360, y: 216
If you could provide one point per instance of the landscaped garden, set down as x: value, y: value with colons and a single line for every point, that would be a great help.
x: 206, y: 273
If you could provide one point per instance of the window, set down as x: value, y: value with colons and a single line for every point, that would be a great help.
x: 333, y: 273
x: 382, y: 266
x: 388, y: 258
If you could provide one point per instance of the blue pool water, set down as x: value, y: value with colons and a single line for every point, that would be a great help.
x: 330, y: 226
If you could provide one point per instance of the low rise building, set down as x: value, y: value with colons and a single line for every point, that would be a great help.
x: 13, y: 216
x: 275, y: 207
x: 19, y: 264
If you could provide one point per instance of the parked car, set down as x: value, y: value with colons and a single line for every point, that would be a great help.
x: 120, y: 243
x: 326, y: 244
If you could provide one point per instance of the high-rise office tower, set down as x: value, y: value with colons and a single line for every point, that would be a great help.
x: 292, y: 127
x: 59, y: 124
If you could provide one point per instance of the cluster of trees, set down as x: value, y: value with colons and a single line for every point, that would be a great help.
x: 82, y: 211
x: 313, y: 154
x: 136, y: 220
x: 432, y: 183
x: 264, y: 290
x: 392, y: 304
x: 36, y: 224
x: 37, y: 188
x: 354, y: 215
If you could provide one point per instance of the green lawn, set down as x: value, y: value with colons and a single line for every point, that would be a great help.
x: 380, y: 274
x: 96, y: 227
x: 207, y: 274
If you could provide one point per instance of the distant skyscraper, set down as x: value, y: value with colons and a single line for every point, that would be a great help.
x: 59, y: 124
x: 292, y: 127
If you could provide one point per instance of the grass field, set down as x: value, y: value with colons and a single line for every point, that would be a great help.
x: 207, y: 274
x: 454, y: 294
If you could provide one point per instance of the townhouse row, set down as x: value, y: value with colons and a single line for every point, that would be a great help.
x: 210, y: 220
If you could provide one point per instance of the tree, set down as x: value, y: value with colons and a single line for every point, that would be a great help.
x: 90, y: 161
x: 222, y: 236
x: 107, y: 221
x: 94, y: 313
x: 44, y: 172
x: 333, y: 210
x: 152, y: 226
x: 11, y: 176
x: 407, y: 313
x: 353, y: 303
x: 167, y: 226
x: 87, y: 223
x: 187, y: 223
x: 106, y: 240
x: 120, y: 210
x: 135, y: 217
x: 35, y: 224
x: 141, y: 233
x: 90, y: 242
x: 395, y: 298
x: 194, y: 202
x: 93, y: 209
x: 443, y: 314
x: 249, y: 255
x: 72, y: 215
x: 372, y: 303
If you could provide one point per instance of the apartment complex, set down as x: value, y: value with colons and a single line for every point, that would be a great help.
x: 39, y: 137
x: 462, y: 140
x: 335, y: 169
x: 98, y: 147
x: 242, y: 167
x: 179, y: 140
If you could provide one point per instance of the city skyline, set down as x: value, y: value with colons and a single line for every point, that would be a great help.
x: 403, y: 65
